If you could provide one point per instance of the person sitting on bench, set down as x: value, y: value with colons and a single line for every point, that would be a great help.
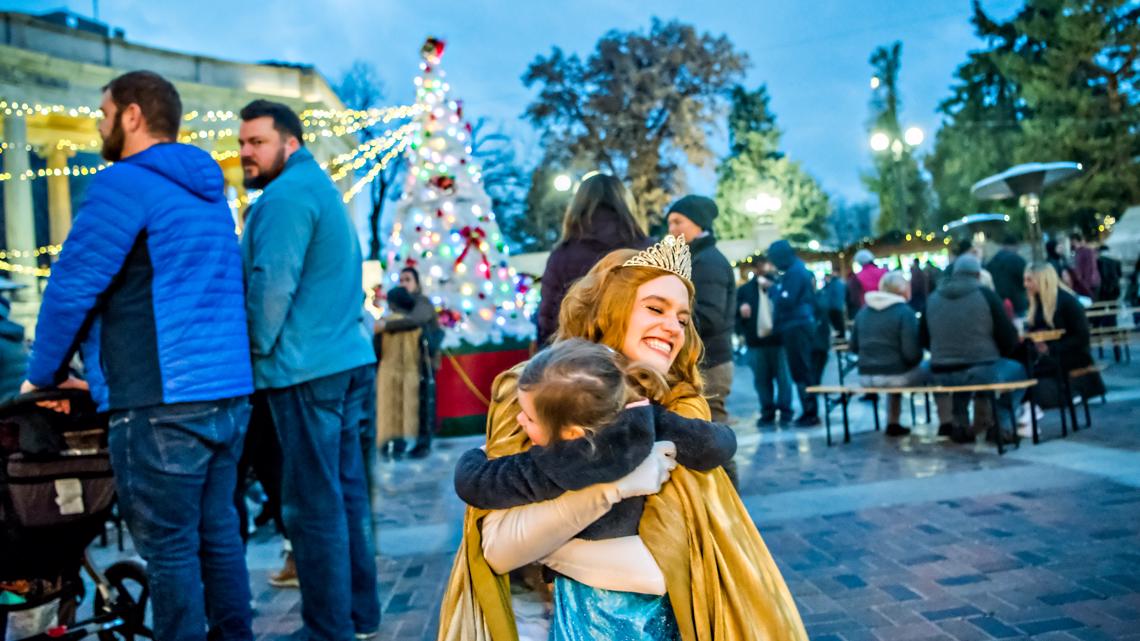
x: 885, y: 337
x: 1053, y: 306
x: 971, y: 339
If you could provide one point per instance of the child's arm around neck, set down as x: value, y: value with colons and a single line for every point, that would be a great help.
x: 543, y: 473
x: 701, y: 445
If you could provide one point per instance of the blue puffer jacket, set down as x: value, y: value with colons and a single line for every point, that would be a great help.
x: 150, y: 278
x: 793, y: 299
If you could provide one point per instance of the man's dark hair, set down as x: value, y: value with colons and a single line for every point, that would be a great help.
x: 156, y: 97
x: 1010, y: 240
x: 415, y: 274
x: 285, y: 121
x: 1077, y: 237
x: 964, y: 246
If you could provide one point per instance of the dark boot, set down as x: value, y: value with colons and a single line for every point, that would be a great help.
x: 894, y: 429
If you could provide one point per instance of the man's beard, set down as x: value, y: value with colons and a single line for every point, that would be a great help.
x: 113, y: 143
x: 266, y: 176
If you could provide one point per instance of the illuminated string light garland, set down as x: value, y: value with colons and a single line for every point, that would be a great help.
x: 331, y: 123
x: 35, y: 109
x: 374, y: 116
x: 377, y: 168
x: 51, y: 250
x: 42, y: 272
x: 366, y: 146
x: 204, y: 134
x: 77, y: 170
x: 210, y: 116
x: 373, y: 149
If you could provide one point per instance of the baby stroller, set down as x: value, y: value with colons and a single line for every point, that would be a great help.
x: 56, y: 494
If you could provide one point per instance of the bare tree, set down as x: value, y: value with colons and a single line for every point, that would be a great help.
x: 504, y: 181
x: 361, y: 87
x: 639, y: 104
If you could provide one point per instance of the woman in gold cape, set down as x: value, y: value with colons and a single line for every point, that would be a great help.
x: 721, y: 581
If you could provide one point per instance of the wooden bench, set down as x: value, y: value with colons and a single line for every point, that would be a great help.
x: 1080, y: 373
x: 845, y: 361
x: 1119, y: 337
x: 846, y: 391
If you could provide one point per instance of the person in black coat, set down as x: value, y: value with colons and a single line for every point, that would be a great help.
x: 601, y: 218
x: 715, y: 285
x: 1008, y: 271
x: 1052, y: 306
x: 765, y: 353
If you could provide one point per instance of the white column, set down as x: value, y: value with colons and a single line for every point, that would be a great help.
x: 59, y: 193
x: 19, y: 218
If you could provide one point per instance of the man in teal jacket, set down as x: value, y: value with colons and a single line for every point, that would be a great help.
x: 312, y: 354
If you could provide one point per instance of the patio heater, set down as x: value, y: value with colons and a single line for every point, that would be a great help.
x: 1026, y: 183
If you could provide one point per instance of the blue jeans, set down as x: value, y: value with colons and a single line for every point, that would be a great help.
x: 1001, y: 371
x: 769, y: 363
x: 175, y: 471
x: 324, y: 501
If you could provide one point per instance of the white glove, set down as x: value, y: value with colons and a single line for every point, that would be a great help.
x: 648, y: 477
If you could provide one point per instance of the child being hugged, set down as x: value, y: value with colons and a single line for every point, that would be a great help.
x: 590, y: 419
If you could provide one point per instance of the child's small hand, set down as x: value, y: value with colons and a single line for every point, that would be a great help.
x: 642, y: 403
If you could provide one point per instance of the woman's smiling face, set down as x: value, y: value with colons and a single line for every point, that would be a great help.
x: 656, y: 330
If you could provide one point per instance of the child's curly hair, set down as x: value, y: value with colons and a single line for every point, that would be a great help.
x: 576, y: 382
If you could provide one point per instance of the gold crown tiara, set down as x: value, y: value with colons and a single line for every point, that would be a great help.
x: 671, y: 255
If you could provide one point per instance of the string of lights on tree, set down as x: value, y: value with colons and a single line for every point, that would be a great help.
x: 445, y: 228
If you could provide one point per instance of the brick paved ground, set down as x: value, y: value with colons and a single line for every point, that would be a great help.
x: 905, y: 539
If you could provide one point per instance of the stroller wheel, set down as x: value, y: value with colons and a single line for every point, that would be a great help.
x: 130, y: 594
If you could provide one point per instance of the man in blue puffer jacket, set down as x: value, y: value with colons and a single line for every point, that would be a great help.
x: 150, y: 279
x: 793, y: 319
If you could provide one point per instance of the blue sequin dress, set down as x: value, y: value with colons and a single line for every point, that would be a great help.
x: 583, y: 613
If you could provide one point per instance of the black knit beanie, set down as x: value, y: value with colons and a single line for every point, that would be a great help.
x: 699, y: 209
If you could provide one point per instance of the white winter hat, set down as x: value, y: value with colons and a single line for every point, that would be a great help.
x: 864, y: 256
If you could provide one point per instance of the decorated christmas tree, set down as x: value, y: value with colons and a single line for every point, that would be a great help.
x: 444, y: 227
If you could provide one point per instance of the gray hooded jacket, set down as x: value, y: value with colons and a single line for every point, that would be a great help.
x: 885, y: 335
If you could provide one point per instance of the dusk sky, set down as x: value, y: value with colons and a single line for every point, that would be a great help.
x: 812, y: 54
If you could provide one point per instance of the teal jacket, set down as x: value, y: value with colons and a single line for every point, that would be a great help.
x: 304, y: 296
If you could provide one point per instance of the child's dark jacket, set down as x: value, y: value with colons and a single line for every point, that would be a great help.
x: 544, y: 473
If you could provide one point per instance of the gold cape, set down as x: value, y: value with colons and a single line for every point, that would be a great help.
x: 726, y: 588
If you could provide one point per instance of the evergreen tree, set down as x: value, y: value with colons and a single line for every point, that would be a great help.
x: 1058, y: 81
x: 903, y: 193
x: 981, y: 127
x: 1077, y: 64
x: 755, y: 167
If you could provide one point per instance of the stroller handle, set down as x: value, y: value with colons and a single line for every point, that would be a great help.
x: 79, y: 397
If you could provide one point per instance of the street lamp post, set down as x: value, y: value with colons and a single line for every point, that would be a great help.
x: 881, y: 142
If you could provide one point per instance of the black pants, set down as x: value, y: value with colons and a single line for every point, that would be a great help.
x: 262, y: 454
x: 427, y: 406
